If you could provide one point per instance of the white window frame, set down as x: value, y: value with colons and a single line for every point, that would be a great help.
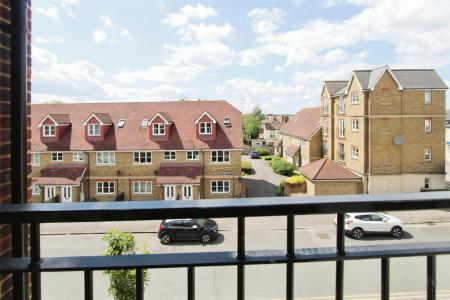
x: 94, y: 130
x: 102, y: 185
x: 341, y: 105
x: 215, y: 187
x: 49, y: 130
x: 325, y: 147
x: 78, y: 156
x: 355, y: 98
x: 142, y: 155
x: 428, y: 125
x: 215, y: 156
x: 59, y: 156
x: 341, y: 152
x: 427, y: 154
x: 325, y: 126
x: 101, y: 155
x: 35, y: 159
x: 193, y: 155
x: 427, y: 98
x: 355, y: 152
x: 205, y: 127
x: 145, y: 185
x: 325, y: 106
x: 144, y: 122
x: 341, y: 128
x: 35, y: 189
x: 427, y: 183
x: 159, y: 128
x: 168, y: 155
x: 355, y: 125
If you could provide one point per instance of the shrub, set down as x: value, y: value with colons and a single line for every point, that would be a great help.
x: 122, y: 283
x: 262, y: 151
x: 296, y: 179
x: 282, y: 167
x: 280, y: 190
x: 246, y: 167
x: 268, y: 157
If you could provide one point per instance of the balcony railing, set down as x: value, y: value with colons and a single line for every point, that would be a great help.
x: 35, y: 214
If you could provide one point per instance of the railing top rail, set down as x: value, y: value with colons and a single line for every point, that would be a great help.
x: 245, y: 207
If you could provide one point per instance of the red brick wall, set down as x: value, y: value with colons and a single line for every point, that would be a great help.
x: 5, y: 155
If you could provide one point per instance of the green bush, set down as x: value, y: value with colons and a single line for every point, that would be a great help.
x: 296, y: 179
x: 268, y: 157
x: 122, y: 283
x: 262, y: 151
x: 274, y: 158
x: 282, y: 167
x: 280, y: 190
x: 246, y: 167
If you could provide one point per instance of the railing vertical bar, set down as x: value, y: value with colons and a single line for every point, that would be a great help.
x: 35, y: 245
x: 385, y: 278
x: 340, y: 248
x: 290, y: 254
x: 88, y: 285
x: 431, y: 277
x: 191, y: 283
x: 241, y: 256
x: 139, y: 284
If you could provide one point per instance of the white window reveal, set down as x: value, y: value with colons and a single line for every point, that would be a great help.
x: 341, y: 104
x: 192, y: 155
x: 35, y: 159
x: 35, y: 189
x: 355, y: 125
x: 325, y: 126
x: 355, y: 152
x: 49, y: 130
x: 170, y: 155
x: 341, y: 153
x: 144, y: 157
x: 159, y: 129
x: 427, y: 154
x: 325, y: 106
x: 220, y: 186
x: 57, y: 156
x: 78, y: 156
x: 93, y: 129
x: 106, y: 158
x: 427, y: 97
x: 106, y: 187
x: 427, y: 183
x: 355, y: 98
x: 220, y: 156
x: 142, y: 187
x: 341, y: 128
x: 427, y: 125
x: 205, y: 128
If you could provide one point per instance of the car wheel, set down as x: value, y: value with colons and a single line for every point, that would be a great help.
x: 165, y: 238
x: 397, y: 232
x: 205, y: 238
x: 357, y: 233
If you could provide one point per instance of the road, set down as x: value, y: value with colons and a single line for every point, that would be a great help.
x: 264, y: 182
x: 262, y: 282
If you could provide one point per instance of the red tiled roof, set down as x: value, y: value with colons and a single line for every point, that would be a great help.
x: 325, y: 169
x: 61, y: 118
x: 292, y: 149
x: 303, y: 124
x: 69, y: 174
x: 179, y: 174
x: 132, y: 136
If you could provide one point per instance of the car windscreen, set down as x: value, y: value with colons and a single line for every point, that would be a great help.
x: 202, y: 222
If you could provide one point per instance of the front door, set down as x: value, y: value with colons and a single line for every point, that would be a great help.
x: 187, y: 191
x: 49, y: 192
x: 66, y: 194
x: 169, y: 192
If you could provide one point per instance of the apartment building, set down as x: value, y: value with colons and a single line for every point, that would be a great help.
x: 388, y: 127
x: 301, y: 137
x: 270, y: 130
x: 136, y: 151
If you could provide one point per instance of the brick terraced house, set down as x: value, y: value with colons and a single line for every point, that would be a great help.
x: 388, y: 127
x: 136, y: 151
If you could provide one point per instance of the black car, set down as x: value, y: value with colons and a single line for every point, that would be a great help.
x: 204, y: 230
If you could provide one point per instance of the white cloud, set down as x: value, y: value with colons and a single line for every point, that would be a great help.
x: 335, y: 55
x: 50, y: 12
x: 124, y: 32
x: 266, y: 21
x: 48, y: 40
x: 189, y: 12
x: 107, y: 21
x: 161, y: 73
x: 99, y: 36
x: 204, y: 33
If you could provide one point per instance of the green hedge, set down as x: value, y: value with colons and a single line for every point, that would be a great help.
x: 262, y: 151
x: 282, y: 167
x: 246, y: 167
x: 296, y: 179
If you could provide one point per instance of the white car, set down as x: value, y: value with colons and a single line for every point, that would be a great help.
x: 358, y: 224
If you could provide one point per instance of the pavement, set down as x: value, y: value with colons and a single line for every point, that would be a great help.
x: 263, y: 182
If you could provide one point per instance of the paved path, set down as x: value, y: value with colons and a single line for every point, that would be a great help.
x: 264, y: 182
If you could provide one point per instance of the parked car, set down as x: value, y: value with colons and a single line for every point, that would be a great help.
x: 254, y: 155
x: 358, y: 224
x: 204, y: 230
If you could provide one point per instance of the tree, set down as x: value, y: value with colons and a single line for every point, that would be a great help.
x: 122, y: 283
x: 251, y: 124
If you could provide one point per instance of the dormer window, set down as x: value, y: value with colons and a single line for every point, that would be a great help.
x: 49, y: 130
x: 93, y: 129
x: 205, y: 128
x: 159, y: 129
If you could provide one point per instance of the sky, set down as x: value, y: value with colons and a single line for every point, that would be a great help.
x: 275, y: 54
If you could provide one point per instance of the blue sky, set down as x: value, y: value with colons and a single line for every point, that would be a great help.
x: 272, y: 53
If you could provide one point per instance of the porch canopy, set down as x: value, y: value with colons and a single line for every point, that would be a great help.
x: 292, y: 150
x: 179, y: 174
x: 64, y: 174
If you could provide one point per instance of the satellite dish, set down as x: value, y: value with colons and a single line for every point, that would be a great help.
x: 398, y: 140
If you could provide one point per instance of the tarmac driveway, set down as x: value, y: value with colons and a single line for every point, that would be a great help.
x: 264, y: 182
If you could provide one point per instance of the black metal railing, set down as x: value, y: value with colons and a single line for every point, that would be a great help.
x: 35, y: 214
